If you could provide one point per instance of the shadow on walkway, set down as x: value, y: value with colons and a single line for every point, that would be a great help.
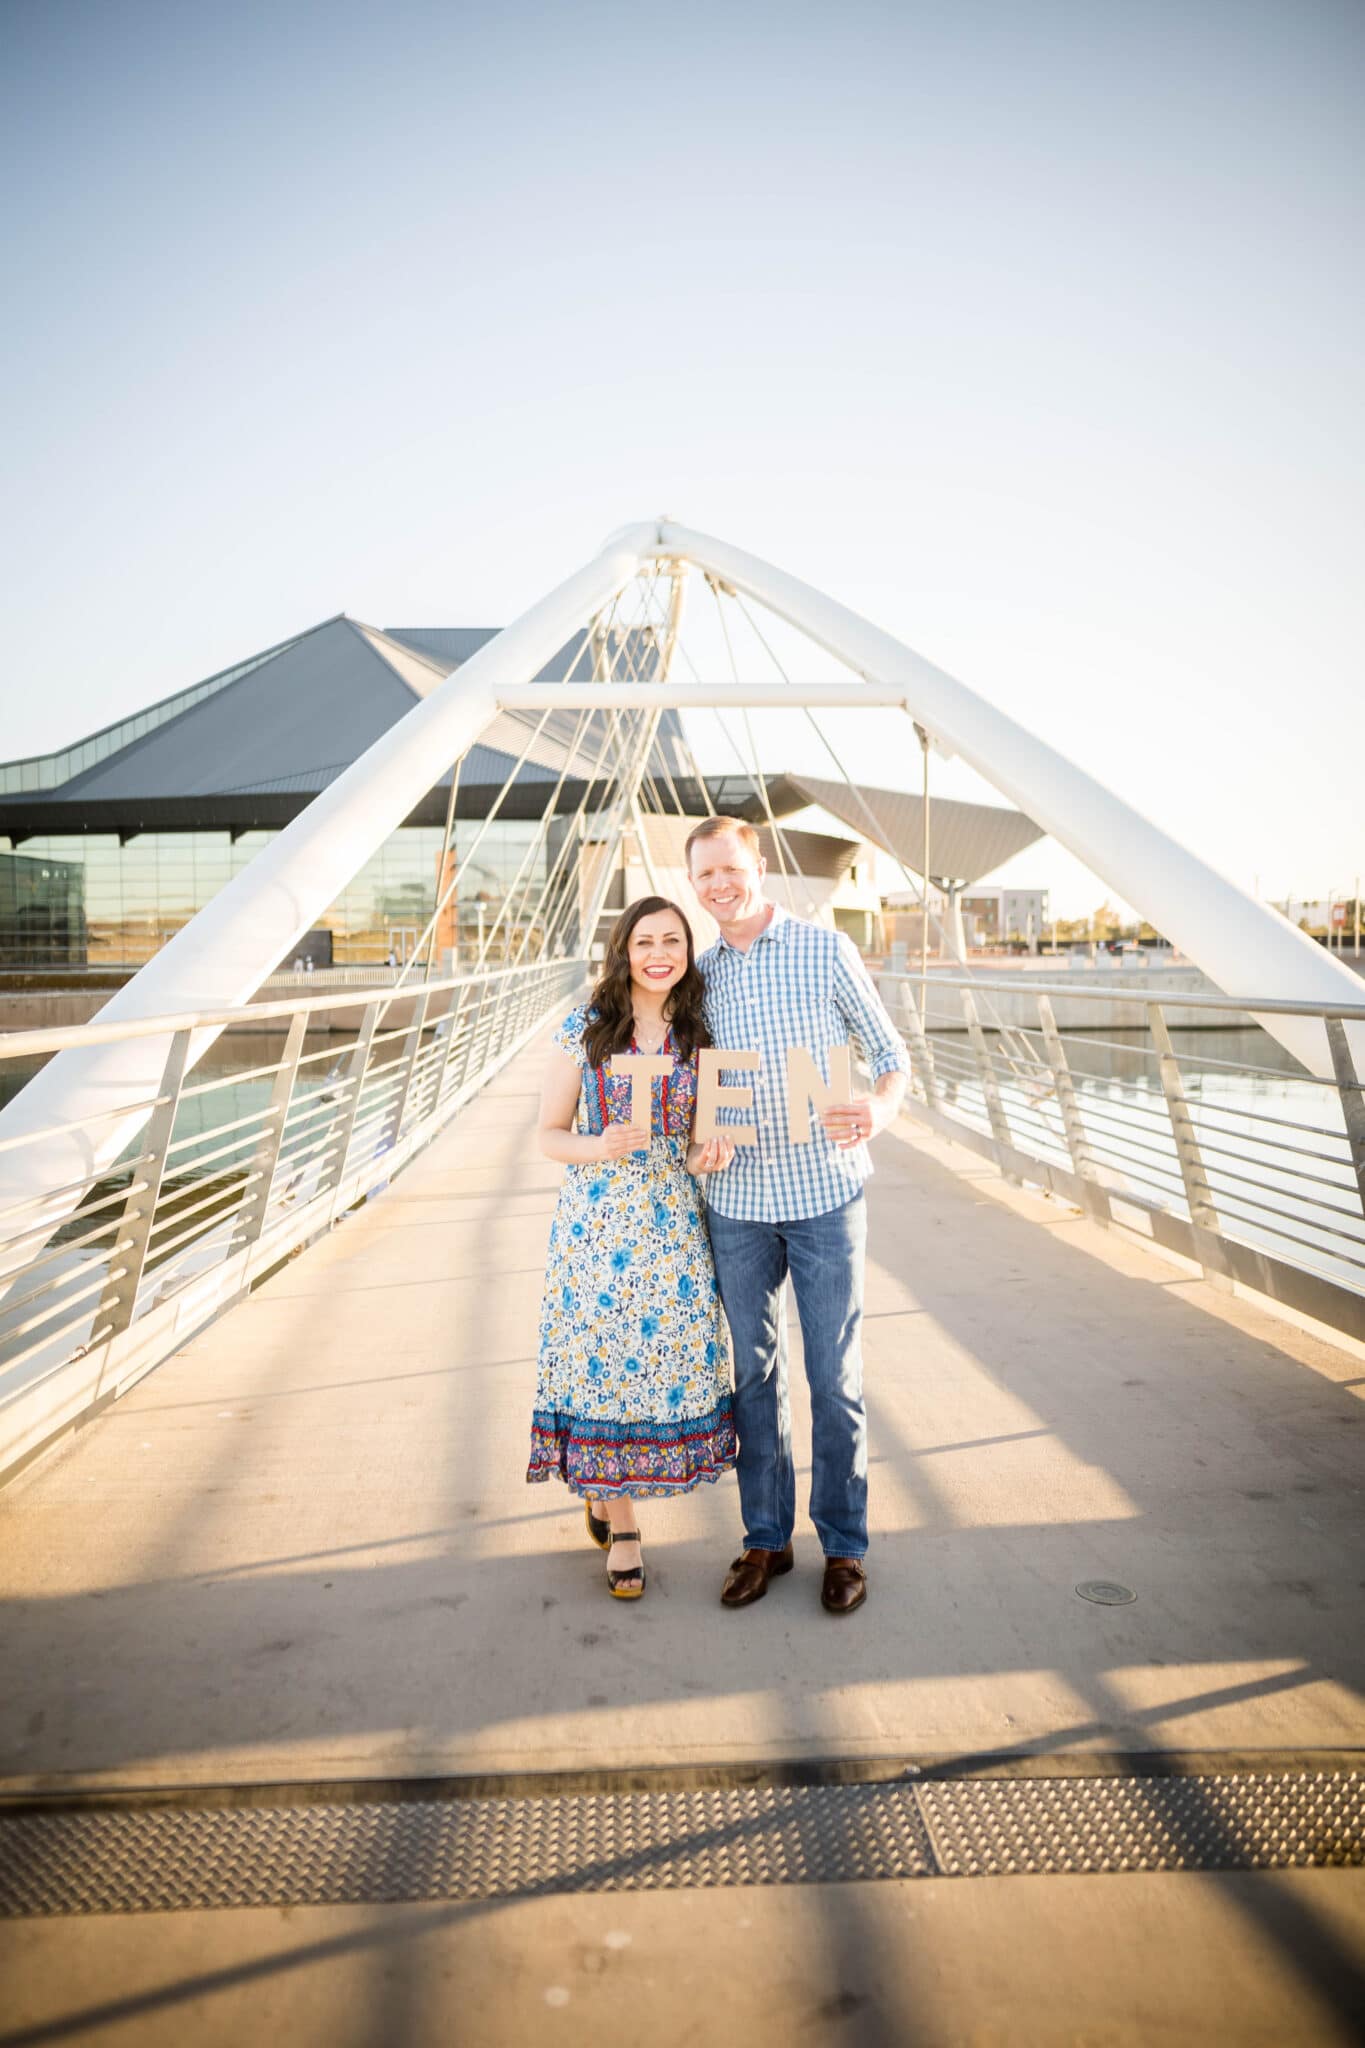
x: 303, y: 1548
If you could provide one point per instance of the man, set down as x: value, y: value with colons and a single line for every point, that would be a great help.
x: 774, y: 981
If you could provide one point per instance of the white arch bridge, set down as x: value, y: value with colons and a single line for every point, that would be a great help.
x: 1116, y: 1304
x: 116, y: 1238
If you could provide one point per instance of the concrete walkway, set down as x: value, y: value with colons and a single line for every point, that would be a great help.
x: 303, y: 1548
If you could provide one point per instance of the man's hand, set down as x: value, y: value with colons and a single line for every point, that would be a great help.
x: 619, y: 1139
x: 848, y: 1124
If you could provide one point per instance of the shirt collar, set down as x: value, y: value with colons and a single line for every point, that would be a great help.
x: 775, y: 929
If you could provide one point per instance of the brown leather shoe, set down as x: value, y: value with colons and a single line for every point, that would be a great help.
x: 747, y: 1578
x: 845, y: 1585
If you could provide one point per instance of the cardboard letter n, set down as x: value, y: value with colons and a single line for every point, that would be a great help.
x: 807, y: 1085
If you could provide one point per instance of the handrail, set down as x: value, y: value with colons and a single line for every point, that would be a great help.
x: 1259, y: 1006
x: 23, y: 1044
x: 1161, y: 1169
x: 239, y: 1184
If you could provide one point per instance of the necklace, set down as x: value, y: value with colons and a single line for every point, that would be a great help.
x: 650, y: 1045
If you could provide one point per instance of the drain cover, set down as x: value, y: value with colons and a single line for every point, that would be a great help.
x: 1106, y: 1592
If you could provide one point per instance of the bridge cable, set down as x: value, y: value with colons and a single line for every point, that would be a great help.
x: 399, y: 987
x: 1006, y: 1031
x: 779, y: 837
x: 528, y: 857
x: 446, y: 838
x: 687, y: 737
x: 559, y: 917
x: 445, y: 892
x: 523, y: 912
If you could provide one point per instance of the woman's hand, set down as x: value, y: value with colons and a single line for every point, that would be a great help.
x: 619, y: 1139
x: 712, y: 1157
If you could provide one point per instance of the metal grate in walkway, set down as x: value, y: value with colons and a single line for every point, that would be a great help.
x: 161, y: 1856
x: 1047, y: 1826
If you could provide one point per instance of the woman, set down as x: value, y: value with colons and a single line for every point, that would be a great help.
x: 633, y: 1393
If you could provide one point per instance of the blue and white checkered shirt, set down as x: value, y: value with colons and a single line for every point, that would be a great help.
x: 797, y: 984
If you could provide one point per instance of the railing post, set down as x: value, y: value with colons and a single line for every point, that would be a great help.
x: 1198, y: 1193
x: 426, y: 1083
x: 990, y: 1088
x: 355, y: 1082
x: 1077, y: 1143
x: 251, y: 1216
x: 919, y: 1045
x: 137, y: 1218
x: 475, y: 1028
x: 1352, y: 1098
x: 507, y: 1016
x: 525, y: 1007
x: 415, y: 1030
x: 458, y: 1005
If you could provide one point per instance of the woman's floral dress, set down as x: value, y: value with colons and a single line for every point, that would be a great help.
x: 633, y: 1391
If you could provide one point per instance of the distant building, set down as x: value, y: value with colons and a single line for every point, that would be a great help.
x: 148, y: 818
x: 996, y: 916
x: 1320, y: 914
x: 963, y: 917
x: 112, y: 844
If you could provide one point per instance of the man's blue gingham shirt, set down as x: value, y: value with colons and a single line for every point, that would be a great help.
x: 798, y: 984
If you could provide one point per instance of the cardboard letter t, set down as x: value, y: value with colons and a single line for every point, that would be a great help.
x: 642, y: 1068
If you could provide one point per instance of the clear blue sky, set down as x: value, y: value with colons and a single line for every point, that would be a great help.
x: 1034, y: 332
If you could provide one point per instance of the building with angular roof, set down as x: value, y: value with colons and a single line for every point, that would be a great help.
x: 114, y: 842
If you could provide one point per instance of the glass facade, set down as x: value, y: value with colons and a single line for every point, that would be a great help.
x: 85, y: 899
x: 42, y: 911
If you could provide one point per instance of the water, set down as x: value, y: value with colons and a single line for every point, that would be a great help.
x: 1236, y: 1082
x: 235, y: 1052
x: 69, y: 1278
x: 1272, y: 1138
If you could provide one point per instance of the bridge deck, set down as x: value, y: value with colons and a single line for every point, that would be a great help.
x: 304, y: 1547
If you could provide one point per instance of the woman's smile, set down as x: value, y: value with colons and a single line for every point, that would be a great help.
x: 658, y: 952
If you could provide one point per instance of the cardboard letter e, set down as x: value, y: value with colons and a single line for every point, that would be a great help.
x: 711, y: 1096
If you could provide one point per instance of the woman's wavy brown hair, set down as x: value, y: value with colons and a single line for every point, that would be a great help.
x: 613, y: 1026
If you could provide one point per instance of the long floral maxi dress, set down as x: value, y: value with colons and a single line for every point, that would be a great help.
x: 633, y: 1390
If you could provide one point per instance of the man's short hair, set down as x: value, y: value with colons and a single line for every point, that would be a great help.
x: 708, y: 829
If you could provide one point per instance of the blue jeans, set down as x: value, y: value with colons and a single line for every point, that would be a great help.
x: 824, y: 1255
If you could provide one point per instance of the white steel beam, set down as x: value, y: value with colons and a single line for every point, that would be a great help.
x: 1247, y: 948
x: 221, y: 957
x: 698, y: 696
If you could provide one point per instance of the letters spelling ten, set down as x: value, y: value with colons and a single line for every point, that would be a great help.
x: 805, y: 1085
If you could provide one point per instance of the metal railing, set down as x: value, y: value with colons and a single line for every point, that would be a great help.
x: 232, y: 1172
x: 1181, y: 1146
